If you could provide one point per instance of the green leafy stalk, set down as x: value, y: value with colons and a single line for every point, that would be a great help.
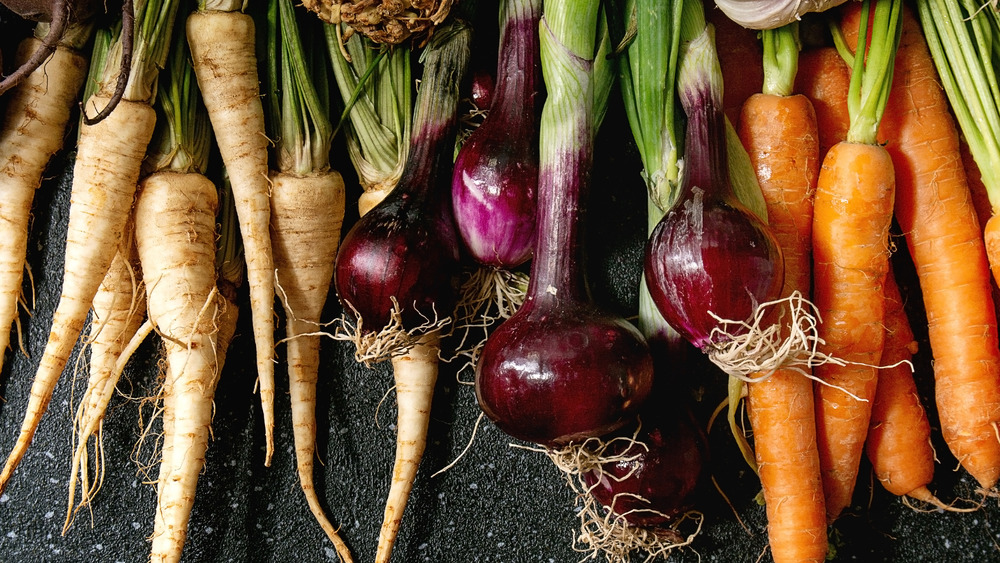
x: 781, y: 59
x: 184, y: 135
x: 75, y: 35
x: 375, y: 85
x: 871, y: 74
x: 104, y: 37
x: 154, y: 22
x: 648, y: 77
x: 964, y: 41
x: 299, y: 120
x: 578, y: 74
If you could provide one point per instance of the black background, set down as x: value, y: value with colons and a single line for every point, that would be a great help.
x: 499, y: 502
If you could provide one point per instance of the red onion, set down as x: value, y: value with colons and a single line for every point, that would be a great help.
x: 560, y: 369
x: 405, y: 248
x: 709, y: 255
x: 496, y: 171
x: 652, y: 480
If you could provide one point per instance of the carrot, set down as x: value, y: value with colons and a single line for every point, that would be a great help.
x: 222, y: 51
x: 105, y: 174
x: 824, y: 78
x: 740, y: 57
x: 852, y: 215
x: 980, y: 195
x: 981, y: 203
x: 780, y: 132
x: 118, y: 312
x: 899, y: 434
x: 935, y: 212
x: 34, y: 124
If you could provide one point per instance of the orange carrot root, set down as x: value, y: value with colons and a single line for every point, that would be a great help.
x: 935, y: 211
x: 824, y: 78
x: 780, y: 135
x: 851, y: 220
x: 899, y: 435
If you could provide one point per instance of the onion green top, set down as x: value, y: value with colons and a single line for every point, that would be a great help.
x: 648, y: 73
x: 574, y: 46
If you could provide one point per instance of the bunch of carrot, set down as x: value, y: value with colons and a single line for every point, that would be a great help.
x: 901, y: 163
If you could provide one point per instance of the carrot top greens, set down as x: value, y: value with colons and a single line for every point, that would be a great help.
x: 781, y: 59
x: 871, y: 74
x: 964, y: 40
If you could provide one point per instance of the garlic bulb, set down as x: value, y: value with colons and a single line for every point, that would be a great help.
x: 769, y: 14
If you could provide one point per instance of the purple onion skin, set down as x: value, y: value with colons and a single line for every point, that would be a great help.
x: 482, y: 89
x: 560, y: 369
x: 709, y: 253
x: 495, y: 179
x: 666, y: 476
x: 402, y: 248
x: 553, y: 375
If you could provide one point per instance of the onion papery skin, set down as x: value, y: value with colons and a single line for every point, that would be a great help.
x: 553, y: 375
x: 658, y: 482
x: 769, y: 14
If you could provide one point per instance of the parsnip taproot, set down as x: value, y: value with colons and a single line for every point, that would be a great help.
x: 221, y: 39
x: 105, y: 174
x: 34, y: 126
